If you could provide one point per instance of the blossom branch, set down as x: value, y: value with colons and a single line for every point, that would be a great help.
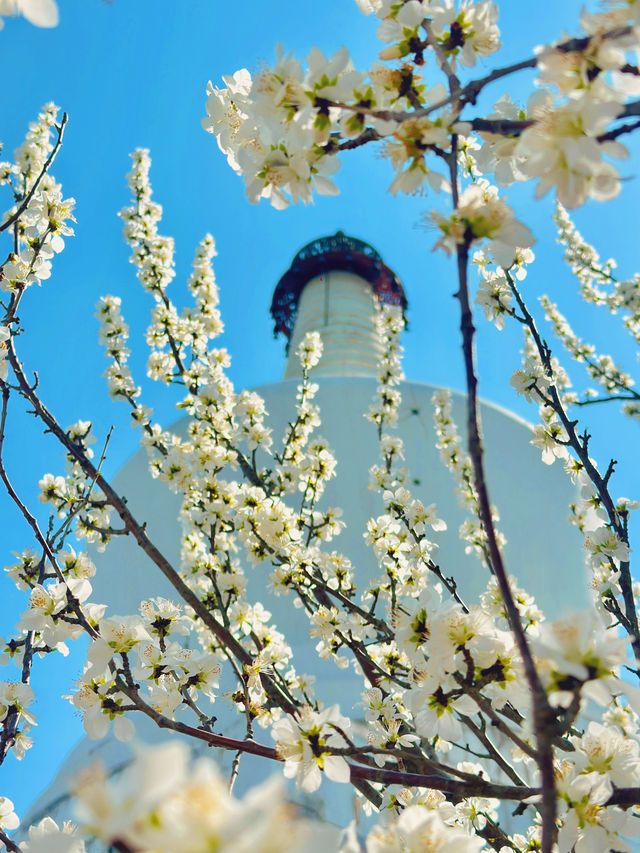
x: 224, y: 636
x: 467, y: 788
x: 543, y: 717
x: 47, y: 164
x: 580, y: 446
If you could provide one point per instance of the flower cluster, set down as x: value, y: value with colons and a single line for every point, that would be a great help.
x: 283, y: 127
x: 457, y: 461
x: 599, y: 285
x: 601, y: 368
x: 481, y: 215
x: 40, y: 211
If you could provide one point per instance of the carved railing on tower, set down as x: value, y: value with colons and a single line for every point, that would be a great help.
x: 335, y: 252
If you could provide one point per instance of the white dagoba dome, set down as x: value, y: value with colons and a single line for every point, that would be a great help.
x: 331, y: 287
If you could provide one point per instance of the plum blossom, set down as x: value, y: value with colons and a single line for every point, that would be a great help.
x: 8, y: 818
x: 466, y: 30
x: 588, y: 825
x: 481, y: 215
x: 605, y: 751
x: 402, y: 27
x: 579, y: 653
x: 498, y: 153
x: 309, y: 350
x: 419, y: 829
x: 165, y: 804
x: 100, y: 703
x: 562, y: 150
x: 118, y: 634
x: 5, y: 335
x: 435, y: 703
x: 412, y: 140
x: 41, y: 13
x: 302, y: 744
x: 15, y: 695
x: 48, y: 605
x: 604, y: 541
x: 494, y: 296
x: 47, y: 837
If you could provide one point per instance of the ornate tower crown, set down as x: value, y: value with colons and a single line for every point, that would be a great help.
x: 331, y: 287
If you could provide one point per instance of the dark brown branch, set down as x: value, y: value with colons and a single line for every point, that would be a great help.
x: 630, y: 109
x: 619, y: 131
x: 8, y: 843
x: 467, y: 788
x: 369, y: 135
x: 543, y: 717
x: 479, y: 788
x: 624, y: 797
x: 471, y: 91
x: 120, y: 846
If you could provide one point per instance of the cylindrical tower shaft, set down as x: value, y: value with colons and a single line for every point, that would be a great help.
x: 341, y: 306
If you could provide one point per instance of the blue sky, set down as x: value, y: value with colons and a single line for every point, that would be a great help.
x: 134, y: 74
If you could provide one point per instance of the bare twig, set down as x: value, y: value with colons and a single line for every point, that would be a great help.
x: 590, y: 401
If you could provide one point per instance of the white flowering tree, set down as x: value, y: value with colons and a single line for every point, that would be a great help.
x: 551, y: 709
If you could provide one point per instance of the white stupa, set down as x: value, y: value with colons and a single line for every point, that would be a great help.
x: 331, y: 286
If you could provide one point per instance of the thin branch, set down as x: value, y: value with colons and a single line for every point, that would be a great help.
x: 443, y: 62
x: 614, y: 134
x: 493, y: 752
x: 8, y: 843
x: 103, y: 531
x: 120, y: 846
x: 590, y: 401
x: 470, y: 92
x: 580, y: 446
x: 369, y: 135
x: 479, y: 788
x: 74, y: 604
x: 624, y: 797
